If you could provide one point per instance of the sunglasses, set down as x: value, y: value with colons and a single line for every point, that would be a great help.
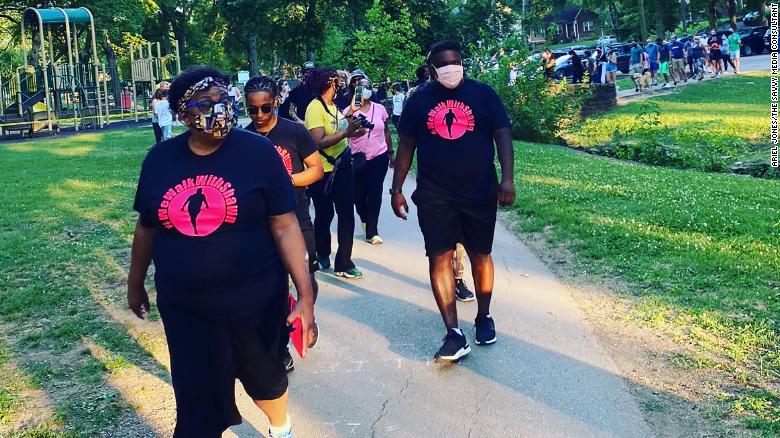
x: 206, y: 107
x: 253, y: 110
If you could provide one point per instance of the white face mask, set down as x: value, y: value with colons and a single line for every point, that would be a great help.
x: 449, y: 76
x: 366, y: 94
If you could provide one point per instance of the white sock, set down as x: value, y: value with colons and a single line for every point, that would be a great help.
x: 457, y: 330
x: 284, y: 429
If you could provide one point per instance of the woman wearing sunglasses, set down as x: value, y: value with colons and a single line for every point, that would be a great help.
x: 300, y: 157
x: 216, y: 214
x: 373, y: 154
x: 330, y: 131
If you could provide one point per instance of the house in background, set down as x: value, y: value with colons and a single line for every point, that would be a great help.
x: 572, y: 23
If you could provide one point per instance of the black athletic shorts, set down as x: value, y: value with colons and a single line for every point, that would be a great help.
x: 307, y: 228
x: 445, y: 223
x: 208, y: 355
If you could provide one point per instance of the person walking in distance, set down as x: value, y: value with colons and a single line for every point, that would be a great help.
x: 457, y: 187
x: 300, y: 158
x: 677, y: 51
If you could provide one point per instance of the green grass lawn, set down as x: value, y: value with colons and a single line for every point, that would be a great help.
x: 66, y: 210
x: 725, y: 119
x: 699, y: 251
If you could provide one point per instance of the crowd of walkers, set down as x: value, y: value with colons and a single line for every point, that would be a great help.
x: 674, y: 61
x: 224, y: 214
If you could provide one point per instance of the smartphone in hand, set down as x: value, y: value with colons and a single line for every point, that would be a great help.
x: 358, y: 96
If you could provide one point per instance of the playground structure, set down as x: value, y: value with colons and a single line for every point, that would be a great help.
x: 62, y: 85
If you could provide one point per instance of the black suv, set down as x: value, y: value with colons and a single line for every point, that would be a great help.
x: 753, y: 42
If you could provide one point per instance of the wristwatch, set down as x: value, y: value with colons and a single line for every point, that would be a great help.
x: 393, y: 191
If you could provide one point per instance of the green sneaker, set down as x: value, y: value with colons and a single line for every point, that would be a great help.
x: 352, y: 274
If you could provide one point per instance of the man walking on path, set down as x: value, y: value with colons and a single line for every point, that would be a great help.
x: 457, y: 187
x: 677, y: 50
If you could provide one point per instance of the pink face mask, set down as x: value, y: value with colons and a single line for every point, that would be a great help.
x: 449, y: 75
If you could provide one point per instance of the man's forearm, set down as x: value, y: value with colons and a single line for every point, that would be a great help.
x: 403, y: 162
x: 506, y: 154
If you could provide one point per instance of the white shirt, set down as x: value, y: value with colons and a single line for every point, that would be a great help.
x: 398, y: 103
x: 163, y: 111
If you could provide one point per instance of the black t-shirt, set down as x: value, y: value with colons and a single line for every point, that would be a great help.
x: 344, y: 99
x: 294, y: 144
x: 300, y: 97
x: 213, y: 248
x: 453, y: 132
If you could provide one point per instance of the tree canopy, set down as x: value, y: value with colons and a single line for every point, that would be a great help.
x: 384, y: 38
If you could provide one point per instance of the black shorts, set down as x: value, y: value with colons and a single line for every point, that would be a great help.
x: 208, y: 355
x: 307, y: 228
x: 445, y: 223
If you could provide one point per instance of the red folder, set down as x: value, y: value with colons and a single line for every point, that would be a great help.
x: 296, y: 330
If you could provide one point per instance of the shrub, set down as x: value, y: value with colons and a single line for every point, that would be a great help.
x: 539, y: 108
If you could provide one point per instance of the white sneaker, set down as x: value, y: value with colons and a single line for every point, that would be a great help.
x: 376, y: 240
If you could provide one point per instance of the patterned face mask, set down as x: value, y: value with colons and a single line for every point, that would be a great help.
x: 215, y: 118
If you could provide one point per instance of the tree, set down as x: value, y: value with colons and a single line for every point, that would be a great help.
x: 388, y: 47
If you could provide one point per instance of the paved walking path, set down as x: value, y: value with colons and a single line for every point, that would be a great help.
x: 371, y: 374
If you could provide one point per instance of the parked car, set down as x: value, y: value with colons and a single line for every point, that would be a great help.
x: 607, y: 40
x: 767, y: 35
x: 753, y: 42
x: 752, y: 19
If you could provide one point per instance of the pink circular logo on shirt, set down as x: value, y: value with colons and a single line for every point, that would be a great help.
x: 197, y: 207
x: 450, y: 120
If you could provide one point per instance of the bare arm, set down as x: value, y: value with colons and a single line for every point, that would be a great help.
x: 313, y: 173
x: 289, y: 241
x: 140, y: 258
x: 506, y: 157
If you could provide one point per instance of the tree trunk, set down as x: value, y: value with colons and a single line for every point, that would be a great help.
x: 659, y: 18
x: 731, y: 5
x: 614, y: 15
x: 251, y: 52
x: 712, y: 13
x: 683, y: 17
x: 165, y: 25
x: 642, y: 20
x: 116, y: 87
x: 310, y: 16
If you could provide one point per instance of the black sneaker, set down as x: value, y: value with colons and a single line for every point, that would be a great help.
x: 486, y: 330
x: 324, y: 262
x: 287, y: 360
x: 455, y: 347
x: 462, y: 292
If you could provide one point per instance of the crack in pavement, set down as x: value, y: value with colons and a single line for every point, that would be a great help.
x: 383, y: 411
x: 484, y: 399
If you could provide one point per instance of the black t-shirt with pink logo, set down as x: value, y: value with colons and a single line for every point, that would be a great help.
x: 294, y: 144
x: 453, y: 133
x: 213, y: 249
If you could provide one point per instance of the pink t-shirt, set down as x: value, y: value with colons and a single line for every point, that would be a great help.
x: 373, y: 143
